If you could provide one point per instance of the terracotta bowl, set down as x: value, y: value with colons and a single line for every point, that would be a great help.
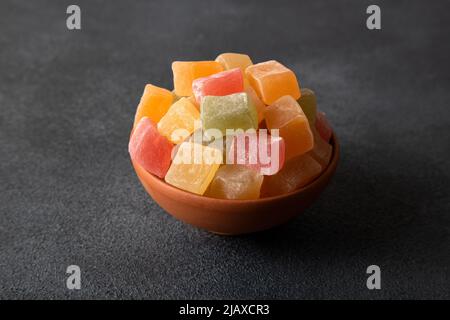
x: 233, y: 217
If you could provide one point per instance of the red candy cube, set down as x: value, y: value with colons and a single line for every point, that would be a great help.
x: 323, y: 126
x: 149, y: 149
x: 219, y: 84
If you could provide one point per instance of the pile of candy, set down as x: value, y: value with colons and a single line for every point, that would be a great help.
x: 235, y: 101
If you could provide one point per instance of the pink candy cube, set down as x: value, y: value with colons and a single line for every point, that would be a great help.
x: 323, y: 126
x: 149, y: 149
x: 261, y: 152
x: 219, y: 84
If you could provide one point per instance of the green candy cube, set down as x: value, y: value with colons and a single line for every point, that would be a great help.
x: 234, y: 111
x: 308, y: 103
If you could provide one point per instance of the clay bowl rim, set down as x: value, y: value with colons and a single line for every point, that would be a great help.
x: 331, y: 164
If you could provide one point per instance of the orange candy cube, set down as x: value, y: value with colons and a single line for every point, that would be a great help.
x: 185, y: 72
x: 259, y: 105
x: 272, y: 80
x: 154, y: 104
x: 286, y: 115
x: 296, y: 173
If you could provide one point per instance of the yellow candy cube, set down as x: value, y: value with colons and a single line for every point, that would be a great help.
x: 194, y: 167
x: 154, y: 103
x: 184, y: 72
x: 272, y: 80
x: 235, y: 60
x: 179, y: 121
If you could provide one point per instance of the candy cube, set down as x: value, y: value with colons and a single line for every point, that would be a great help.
x: 175, y: 97
x: 235, y: 182
x: 308, y: 103
x: 179, y: 122
x: 234, y: 60
x: 149, y: 149
x: 154, y: 104
x: 213, y: 141
x: 234, y: 111
x: 259, y: 105
x: 286, y: 115
x: 323, y: 126
x: 196, y: 137
x: 194, y: 167
x: 194, y: 102
x: 185, y: 72
x: 322, y: 151
x: 219, y: 84
x: 271, y: 80
x: 258, y: 151
x: 296, y: 173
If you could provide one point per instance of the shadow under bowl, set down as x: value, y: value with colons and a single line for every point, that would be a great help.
x: 233, y: 217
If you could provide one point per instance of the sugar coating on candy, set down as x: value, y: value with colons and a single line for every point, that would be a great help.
x: 259, y: 105
x: 322, y: 151
x: 261, y: 152
x: 193, y: 167
x: 235, y: 182
x: 219, y: 84
x: 308, y: 103
x: 179, y: 121
x: 272, y: 80
x: 149, y: 149
x: 286, y: 115
x: 296, y: 173
x: 155, y: 102
x: 323, y: 126
x: 185, y: 72
x: 234, y: 111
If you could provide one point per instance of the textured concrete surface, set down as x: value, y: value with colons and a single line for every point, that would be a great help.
x: 68, y: 194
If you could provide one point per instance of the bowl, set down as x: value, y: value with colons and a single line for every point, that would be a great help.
x: 233, y: 217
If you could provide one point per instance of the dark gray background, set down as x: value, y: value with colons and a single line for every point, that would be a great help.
x: 68, y: 194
